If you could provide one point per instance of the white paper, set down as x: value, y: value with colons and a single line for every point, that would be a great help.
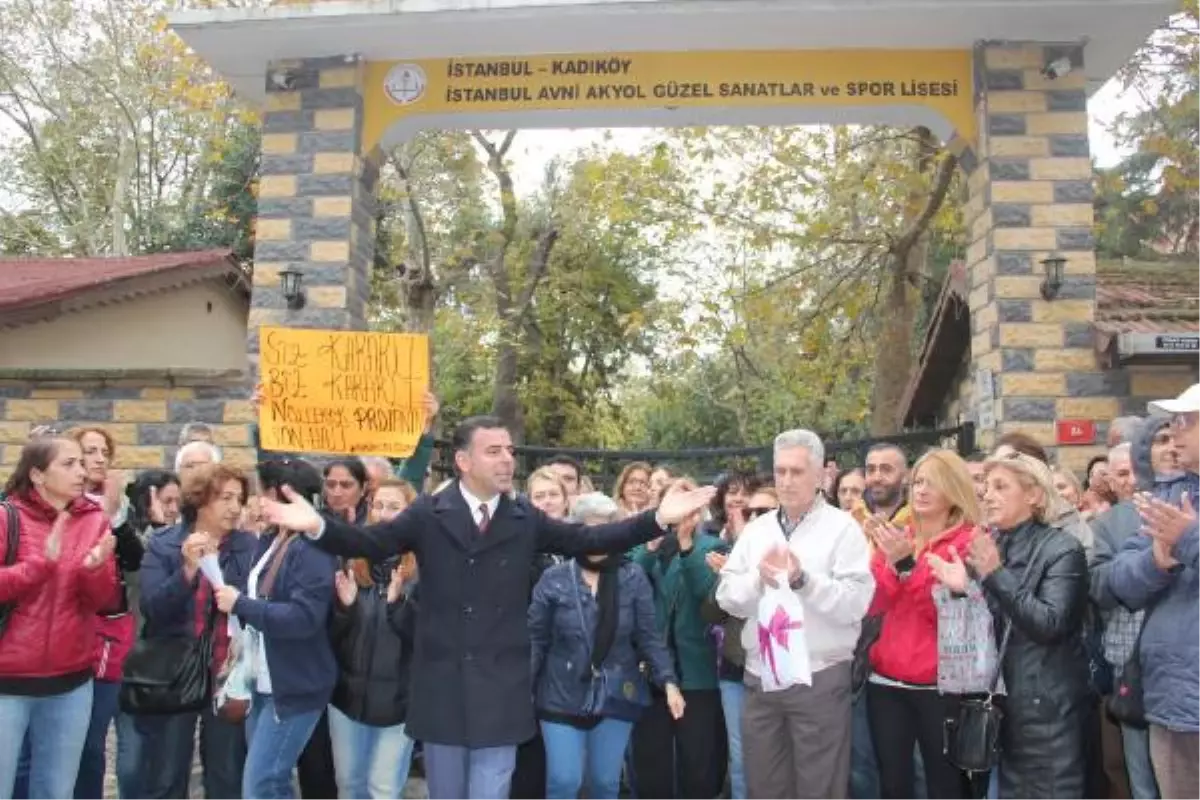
x: 210, y: 567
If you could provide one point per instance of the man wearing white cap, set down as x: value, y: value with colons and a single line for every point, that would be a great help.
x: 1159, y: 571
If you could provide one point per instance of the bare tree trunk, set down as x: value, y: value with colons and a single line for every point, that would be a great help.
x: 895, y: 356
x: 125, y: 153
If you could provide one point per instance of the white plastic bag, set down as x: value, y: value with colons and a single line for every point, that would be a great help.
x: 231, y: 698
x: 782, y: 644
x: 967, y: 653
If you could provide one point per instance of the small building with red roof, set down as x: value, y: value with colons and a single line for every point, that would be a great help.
x: 1143, y: 343
x: 140, y: 345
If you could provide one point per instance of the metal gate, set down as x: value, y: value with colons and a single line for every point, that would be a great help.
x: 705, y: 465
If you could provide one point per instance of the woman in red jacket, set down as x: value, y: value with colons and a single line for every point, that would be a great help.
x: 63, y: 576
x: 903, y: 703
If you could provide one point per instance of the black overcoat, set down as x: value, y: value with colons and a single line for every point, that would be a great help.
x: 471, y: 683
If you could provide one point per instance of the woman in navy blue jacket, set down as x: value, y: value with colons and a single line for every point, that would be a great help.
x: 590, y: 623
x: 177, y: 600
x: 285, y: 613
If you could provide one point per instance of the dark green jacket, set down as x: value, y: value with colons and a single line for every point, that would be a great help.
x: 679, y: 589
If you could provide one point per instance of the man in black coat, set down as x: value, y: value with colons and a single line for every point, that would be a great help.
x: 471, y: 697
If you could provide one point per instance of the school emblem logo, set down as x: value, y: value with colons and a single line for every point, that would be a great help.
x: 405, y: 84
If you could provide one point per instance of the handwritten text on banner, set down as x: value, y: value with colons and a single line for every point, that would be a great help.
x: 342, y: 392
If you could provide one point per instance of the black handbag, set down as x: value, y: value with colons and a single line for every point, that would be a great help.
x: 170, y: 675
x: 12, y: 539
x: 971, y: 738
x: 1127, y: 704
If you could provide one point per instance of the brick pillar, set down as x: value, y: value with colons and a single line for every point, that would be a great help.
x: 1030, y: 196
x: 315, y: 198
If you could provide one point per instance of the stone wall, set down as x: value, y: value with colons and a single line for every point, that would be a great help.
x: 144, y: 419
x: 1030, y: 196
x: 315, y: 199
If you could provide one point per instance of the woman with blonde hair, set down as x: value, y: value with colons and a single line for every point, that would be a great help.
x: 1068, y: 486
x: 632, y: 489
x: 903, y: 702
x: 1035, y: 578
x: 548, y: 493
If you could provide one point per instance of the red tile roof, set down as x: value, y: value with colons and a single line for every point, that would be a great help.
x: 29, y: 282
x: 1144, y: 297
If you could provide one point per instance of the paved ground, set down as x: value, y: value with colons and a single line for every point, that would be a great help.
x: 415, y: 788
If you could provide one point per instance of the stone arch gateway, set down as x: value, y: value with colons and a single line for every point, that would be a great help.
x: 1005, y: 82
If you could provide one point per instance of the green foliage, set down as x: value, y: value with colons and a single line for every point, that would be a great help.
x: 117, y: 139
x: 1147, y: 205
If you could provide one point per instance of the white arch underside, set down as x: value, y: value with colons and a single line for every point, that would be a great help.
x: 904, y: 116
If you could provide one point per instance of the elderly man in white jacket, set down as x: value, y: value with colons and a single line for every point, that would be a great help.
x: 796, y: 742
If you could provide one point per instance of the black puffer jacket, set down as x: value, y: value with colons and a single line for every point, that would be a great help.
x: 1045, y: 666
x: 372, y: 640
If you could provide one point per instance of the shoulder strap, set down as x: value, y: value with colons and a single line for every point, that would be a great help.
x: 268, y: 581
x: 12, y: 534
x: 1033, y: 563
x: 576, y: 577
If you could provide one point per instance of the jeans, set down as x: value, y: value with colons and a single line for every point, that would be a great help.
x: 864, y: 769
x: 167, y: 749
x: 105, y: 710
x: 274, y: 747
x: 733, y: 697
x: 1136, y: 744
x: 468, y: 772
x: 369, y: 761
x: 573, y: 754
x: 57, y: 726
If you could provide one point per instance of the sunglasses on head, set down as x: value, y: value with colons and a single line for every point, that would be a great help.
x: 754, y: 513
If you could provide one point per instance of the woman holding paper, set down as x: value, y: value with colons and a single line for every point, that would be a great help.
x: 179, y: 581
x: 904, y: 705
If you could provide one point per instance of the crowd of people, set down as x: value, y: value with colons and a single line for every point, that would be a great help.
x: 987, y: 627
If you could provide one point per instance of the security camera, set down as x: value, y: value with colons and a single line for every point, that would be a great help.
x: 283, y: 79
x: 1058, y: 68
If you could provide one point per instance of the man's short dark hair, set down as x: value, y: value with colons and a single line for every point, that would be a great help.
x: 567, y: 461
x: 880, y: 447
x: 465, y: 432
x: 1024, y: 444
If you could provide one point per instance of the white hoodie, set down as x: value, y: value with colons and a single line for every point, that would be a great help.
x: 833, y: 553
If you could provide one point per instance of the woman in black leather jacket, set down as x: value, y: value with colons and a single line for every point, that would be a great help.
x: 372, y: 629
x: 1034, y: 576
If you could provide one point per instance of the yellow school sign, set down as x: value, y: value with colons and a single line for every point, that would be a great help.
x: 939, y: 80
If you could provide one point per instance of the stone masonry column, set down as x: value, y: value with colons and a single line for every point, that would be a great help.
x: 1030, y: 196
x: 315, y: 198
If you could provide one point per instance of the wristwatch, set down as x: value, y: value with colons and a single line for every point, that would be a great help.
x: 800, y: 582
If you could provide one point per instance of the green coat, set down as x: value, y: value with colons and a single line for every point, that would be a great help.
x: 678, y: 592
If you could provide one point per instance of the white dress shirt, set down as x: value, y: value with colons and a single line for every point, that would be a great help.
x: 474, y: 503
x: 837, y: 591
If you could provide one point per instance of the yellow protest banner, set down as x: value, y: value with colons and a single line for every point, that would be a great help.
x: 342, y: 392
x: 471, y: 88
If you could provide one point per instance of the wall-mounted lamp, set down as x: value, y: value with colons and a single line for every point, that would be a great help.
x: 1053, y: 268
x: 293, y: 292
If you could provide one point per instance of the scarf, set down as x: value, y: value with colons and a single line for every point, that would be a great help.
x: 607, y: 603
